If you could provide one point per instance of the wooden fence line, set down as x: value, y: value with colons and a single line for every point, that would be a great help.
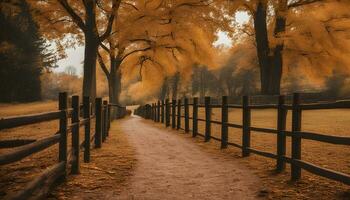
x: 58, y: 171
x: 296, y: 134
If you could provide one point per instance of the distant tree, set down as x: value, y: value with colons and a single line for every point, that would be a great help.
x: 164, y: 90
x: 22, y: 54
x: 205, y: 82
x: 60, y: 82
x: 71, y: 70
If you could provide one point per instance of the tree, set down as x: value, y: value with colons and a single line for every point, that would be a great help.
x: 22, y: 54
x: 90, y: 21
x: 165, y: 44
x: 205, y: 82
x: 280, y: 29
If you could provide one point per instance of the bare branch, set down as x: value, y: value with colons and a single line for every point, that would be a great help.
x: 102, y: 64
x: 76, y: 18
x: 302, y: 3
x: 135, y: 51
x: 115, y: 6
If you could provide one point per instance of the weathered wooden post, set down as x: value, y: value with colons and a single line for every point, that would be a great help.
x: 158, y: 111
x: 178, y: 125
x: 75, y: 135
x: 195, y: 117
x: 281, y: 137
x: 109, y: 117
x: 98, y: 124
x: 224, y: 121
x: 162, y: 110
x: 296, y: 139
x: 187, y: 120
x: 246, y: 127
x: 207, y: 119
x: 173, y: 114
x: 86, y: 104
x: 105, y: 122
x: 62, y: 105
x: 167, y: 112
x: 153, y: 112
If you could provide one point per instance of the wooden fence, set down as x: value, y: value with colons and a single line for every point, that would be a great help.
x: 66, y: 155
x: 163, y: 111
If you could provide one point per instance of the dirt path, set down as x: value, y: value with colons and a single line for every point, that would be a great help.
x: 170, y: 166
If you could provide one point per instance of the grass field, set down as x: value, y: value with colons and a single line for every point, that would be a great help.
x: 335, y: 157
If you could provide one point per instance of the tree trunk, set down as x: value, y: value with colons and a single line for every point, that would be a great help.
x: 164, y: 89
x: 270, y: 65
x: 175, y: 85
x: 90, y: 55
x: 280, y: 28
x: 114, y: 85
x: 262, y: 45
x: 89, y: 79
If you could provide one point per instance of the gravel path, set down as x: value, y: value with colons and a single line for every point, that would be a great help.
x: 171, y: 166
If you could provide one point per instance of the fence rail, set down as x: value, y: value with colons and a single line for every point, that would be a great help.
x: 25, y: 148
x: 296, y: 134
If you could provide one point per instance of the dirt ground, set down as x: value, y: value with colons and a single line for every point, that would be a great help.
x: 107, y: 173
x: 173, y: 167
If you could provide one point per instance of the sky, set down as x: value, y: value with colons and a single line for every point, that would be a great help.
x: 75, y: 55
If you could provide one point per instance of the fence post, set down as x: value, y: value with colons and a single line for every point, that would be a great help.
x: 150, y: 111
x: 195, y: 117
x: 167, y: 112
x: 173, y: 113
x: 154, y: 112
x: 109, y: 117
x: 162, y: 110
x: 281, y: 137
x: 296, y: 139
x: 178, y: 125
x: 187, y: 120
x: 158, y: 111
x: 105, y: 122
x: 246, y: 127
x: 98, y: 124
x: 86, y: 106
x: 62, y: 105
x: 224, y: 120
x: 75, y: 135
x: 207, y: 119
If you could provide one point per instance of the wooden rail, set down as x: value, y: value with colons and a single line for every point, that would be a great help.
x: 26, y: 148
x: 296, y: 134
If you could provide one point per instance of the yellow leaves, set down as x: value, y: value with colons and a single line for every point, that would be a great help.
x: 318, y: 39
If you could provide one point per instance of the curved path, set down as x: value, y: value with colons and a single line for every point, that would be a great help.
x: 171, y: 166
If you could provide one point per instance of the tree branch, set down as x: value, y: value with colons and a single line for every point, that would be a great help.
x: 76, y: 18
x: 102, y: 64
x: 115, y: 6
x: 302, y: 3
x: 134, y: 51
